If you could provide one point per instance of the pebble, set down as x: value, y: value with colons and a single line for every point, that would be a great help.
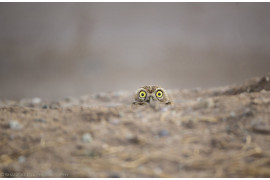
x: 232, y: 114
x: 21, y: 159
x: 247, y: 112
x: 14, y: 125
x: 133, y: 139
x: 87, y: 138
x: 67, y: 99
x: 113, y: 175
x: 260, y: 127
x: 45, y: 106
x: 163, y: 133
x: 36, y: 100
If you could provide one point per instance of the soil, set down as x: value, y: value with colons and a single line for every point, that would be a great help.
x: 216, y: 132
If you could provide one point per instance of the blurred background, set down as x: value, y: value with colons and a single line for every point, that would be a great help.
x: 55, y: 50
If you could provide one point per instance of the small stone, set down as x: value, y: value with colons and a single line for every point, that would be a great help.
x: 261, y: 127
x: 21, y: 159
x: 45, y: 106
x: 163, y: 133
x: 247, y: 112
x: 133, y: 139
x: 232, y: 114
x: 67, y: 99
x: 102, y: 96
x: 87, y: 138
x: 14, y: 125
x: 36, y: 100
x: 121, y: 114
x: 113, y: 175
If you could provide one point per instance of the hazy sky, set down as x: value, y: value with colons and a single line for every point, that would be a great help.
x: 54, y: 50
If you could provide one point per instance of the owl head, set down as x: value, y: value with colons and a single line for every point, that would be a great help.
x: 151, y: 94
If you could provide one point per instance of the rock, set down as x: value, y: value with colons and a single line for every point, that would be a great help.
x: 260, y: 127
x: 133, y: 139
x: 87, y: 138
x: 113, y: 175
x: 45, y: 106
x: 36, y: 100
x: 21, y: 159
x: 247, y: 112
x: 68, y: 99
x: 163, y: 133
x: 14, y: 125
x: 232, y: 114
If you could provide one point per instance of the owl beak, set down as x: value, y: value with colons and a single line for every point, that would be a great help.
x: 151, y: 100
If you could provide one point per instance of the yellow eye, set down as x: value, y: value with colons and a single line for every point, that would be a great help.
x: 159, y: 93
x: 142, y: 94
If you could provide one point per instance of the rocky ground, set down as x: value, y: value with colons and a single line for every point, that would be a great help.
x: 218, y: 132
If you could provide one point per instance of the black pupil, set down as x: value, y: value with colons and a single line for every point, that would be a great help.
x: 159, y: 94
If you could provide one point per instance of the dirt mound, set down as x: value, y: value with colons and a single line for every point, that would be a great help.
x: 254, y: 85
x: 206, y: 133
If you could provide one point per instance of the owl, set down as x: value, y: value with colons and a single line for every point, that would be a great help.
x: 151, y: 95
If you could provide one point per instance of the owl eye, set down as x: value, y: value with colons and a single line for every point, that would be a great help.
x: 159, y: 93
x: 142, y: 94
